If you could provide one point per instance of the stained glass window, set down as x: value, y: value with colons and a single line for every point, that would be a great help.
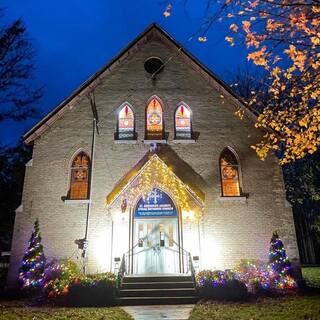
x: 183, y: 122
x: 79, y: 184
x: 229, y: 169
x: 154, y: 121
x: 126, y: 123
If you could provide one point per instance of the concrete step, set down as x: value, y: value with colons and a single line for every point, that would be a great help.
x: 131, y: 301
x: 154, y: 289
x: 157, y: 285
x: 173, y: 292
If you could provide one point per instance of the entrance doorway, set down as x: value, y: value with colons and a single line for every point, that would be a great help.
x: 155, y: 247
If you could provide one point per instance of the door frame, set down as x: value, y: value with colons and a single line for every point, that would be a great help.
x: 132, y: 225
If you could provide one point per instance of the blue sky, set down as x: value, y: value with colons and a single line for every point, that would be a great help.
x: 74, y: 38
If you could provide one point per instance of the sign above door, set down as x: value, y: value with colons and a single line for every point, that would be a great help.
x: 156, y: 204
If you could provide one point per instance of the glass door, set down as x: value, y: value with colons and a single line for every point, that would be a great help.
x: 156, y: 246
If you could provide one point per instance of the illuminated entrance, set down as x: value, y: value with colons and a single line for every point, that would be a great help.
x: 155, y: 235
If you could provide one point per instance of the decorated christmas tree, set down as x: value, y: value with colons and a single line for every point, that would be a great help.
x: 280, y: 264
x: 31, y: 273
x: 278, y: 259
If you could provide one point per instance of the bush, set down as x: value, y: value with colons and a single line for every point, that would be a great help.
x: 255, y: 274
x: 91, y: 292
x: 261, y: 279
x: 220, y: 285
x: 58, y: 275
x: 65, y: 285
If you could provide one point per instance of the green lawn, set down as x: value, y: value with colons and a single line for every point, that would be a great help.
x: 15, y: 312
x: 284, y: 308
x: 312, y: 276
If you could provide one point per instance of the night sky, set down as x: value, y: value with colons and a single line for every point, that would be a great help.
x: 74, y: 38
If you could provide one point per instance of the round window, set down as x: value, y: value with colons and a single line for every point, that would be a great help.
x: 153, y: 65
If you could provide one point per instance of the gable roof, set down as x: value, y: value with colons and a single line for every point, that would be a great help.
x: 157, y: 159
x: 154, y: 31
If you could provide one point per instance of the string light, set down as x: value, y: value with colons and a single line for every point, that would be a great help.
x: 274, y: 275
x: 154, y: 174
x: 31, y: 273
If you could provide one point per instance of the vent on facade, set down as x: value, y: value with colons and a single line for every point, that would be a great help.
x: 153, y: 65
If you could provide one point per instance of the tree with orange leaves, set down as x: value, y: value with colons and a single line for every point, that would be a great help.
x: 283, y: 38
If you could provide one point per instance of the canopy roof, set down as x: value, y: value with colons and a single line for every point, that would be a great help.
x: 150, y: 172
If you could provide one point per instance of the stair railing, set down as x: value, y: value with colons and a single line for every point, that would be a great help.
x: 122, y: 270
x: 193, y: 271
x: 124, y: 265
x: 187, y: 261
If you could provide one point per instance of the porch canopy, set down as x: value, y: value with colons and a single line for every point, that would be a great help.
x: 164, y: 170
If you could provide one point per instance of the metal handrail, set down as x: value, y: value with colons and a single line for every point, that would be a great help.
x: 123, y: 266
x: 122, y: 271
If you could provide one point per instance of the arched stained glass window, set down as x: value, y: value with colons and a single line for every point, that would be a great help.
x: 183, y: 122
x: 126, y: 123
x: 229, y: 170
x: 154, y: 120
x: 80, y: 171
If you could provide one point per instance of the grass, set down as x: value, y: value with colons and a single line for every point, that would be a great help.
x: 312, y: 276
x: 284, y: 308
x: 14, y: 311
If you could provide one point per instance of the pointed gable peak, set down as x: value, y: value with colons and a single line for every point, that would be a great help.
x: 152, y: 32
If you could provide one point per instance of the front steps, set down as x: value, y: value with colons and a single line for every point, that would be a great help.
x: 142, y: 290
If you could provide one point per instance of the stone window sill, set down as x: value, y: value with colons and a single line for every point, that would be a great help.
x: 74, y: 201
x: 241, y: 199
x: 183, y: 141
x: 154, y: 141
x: 125, y: 141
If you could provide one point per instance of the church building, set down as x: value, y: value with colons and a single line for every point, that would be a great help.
x: 146, y: 167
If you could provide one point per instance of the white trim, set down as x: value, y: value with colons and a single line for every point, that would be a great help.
x: 242, y: 199
x: 74, y: 201
x: 123, y: 141
x: 183, y: 141
x: 29, y: 163
x: 154, y: 141
x: 19, y: 209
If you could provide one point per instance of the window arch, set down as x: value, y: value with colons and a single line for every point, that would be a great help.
x: 182, y: 120
x: 154, y: 120
x: 79, y: 177
x: 230, y: 173
x: 125, y: 123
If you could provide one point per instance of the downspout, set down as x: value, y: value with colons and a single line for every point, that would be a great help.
x: 89, y: 205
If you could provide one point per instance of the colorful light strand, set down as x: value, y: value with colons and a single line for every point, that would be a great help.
x: 31, y: 273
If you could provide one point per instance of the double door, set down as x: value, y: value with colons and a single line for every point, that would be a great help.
x: 156, y: 248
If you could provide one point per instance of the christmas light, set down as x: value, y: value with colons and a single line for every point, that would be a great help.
x: 31, y: 273
x: 156, y: 174
x: 275, y: 275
